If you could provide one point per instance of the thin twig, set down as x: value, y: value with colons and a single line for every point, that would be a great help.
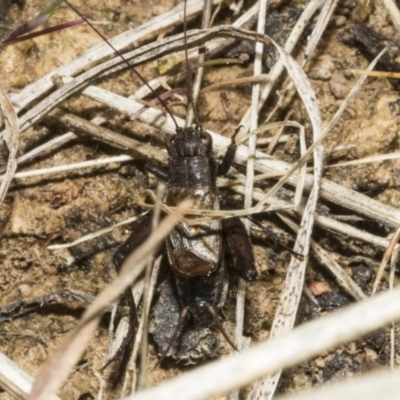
x: 147, y: 295
x: 11, y: 137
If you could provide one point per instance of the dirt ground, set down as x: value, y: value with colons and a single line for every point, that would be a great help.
x: 59, y: 208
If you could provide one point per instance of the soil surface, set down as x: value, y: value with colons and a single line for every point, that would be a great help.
x: 44, y: 210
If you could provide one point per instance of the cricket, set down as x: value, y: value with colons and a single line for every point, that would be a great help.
x: 184, y: 185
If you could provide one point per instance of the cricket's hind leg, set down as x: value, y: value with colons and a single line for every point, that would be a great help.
x: 140, y: 233
x: 240, y: 248
x: 239, y: 233
x: 235, y: 234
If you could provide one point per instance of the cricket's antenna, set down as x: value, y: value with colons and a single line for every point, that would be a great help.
x: 188, y: 77
x: 125, y: 60
x: 194, y: 93
x: 192, y: 97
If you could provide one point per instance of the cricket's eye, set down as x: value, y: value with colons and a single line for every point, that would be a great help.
x: 170, y: 142
x: 206, y: 139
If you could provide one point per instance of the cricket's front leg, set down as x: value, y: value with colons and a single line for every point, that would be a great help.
x: 227, y: 161
x: 229, y: 156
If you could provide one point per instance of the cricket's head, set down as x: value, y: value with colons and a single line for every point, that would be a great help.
x: 189, y: 142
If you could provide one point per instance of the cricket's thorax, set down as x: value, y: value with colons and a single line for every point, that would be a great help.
x: 193, y: 250
x: 189, y: 172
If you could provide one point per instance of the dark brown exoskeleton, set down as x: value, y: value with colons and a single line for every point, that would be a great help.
x: 195, y: 253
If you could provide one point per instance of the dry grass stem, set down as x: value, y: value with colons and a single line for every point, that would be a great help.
x: 70, y: 167
x: 393, y: 261
x: 11, y: 137
x: 374, y: 385
x: 385, y: 259
x: 249, y: 182
x: 95, y: 234
x: 240, y: 81
x: 303, y: 169
x: 367, y: 160
x: 393, y: 12
x: 286, y: 311
x: 14, y: 380
x: 278, y: 68
x: 148, y: 294
x: 323, y: 19
x: 378, y: 74
x: 141, y: 331
x: 116, y: 339
x: 192, y: 110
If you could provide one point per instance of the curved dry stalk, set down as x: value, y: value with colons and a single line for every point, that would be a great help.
x: 277, y: 69
x: 145, y: 53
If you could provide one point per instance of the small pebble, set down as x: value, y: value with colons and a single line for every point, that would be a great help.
x: 339, y: 85
x: 318, y: 288
x: 322, y: 70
